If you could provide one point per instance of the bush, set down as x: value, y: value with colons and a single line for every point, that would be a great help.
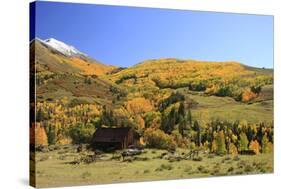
x: 44, y: 158
x: 230, y: 169
x: 81, y: 133
x: 158, y: 139
x: 42, y: 148
x: 159, y: 169
x: 146, y: 171
x: 197, y: 159
x: 166, y: 167
x: 215, y: 172
x: 248, y: 168
x: 203, y: 169
x: 241, y: 164
x: 86, y: 174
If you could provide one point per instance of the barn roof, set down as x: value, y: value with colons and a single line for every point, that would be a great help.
x: 110, y: 134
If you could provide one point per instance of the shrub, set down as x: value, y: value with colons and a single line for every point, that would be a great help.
x: 230, y: 169
x: 197, y: 159
x: 166, y: 166
x: 42, y: 148
x: 86, y: 174
x: 81, y: 133
x: 241, y: 164
x: 158, y: 139
x: 248, y: 168
x: 44, y: 158
x: 203, y: 169
x: 146, y: 171
x: 216, y: 171
x: 158, y: 169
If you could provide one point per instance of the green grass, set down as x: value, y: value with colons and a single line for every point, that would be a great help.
x: 226, y: 108
x: 56, y: 171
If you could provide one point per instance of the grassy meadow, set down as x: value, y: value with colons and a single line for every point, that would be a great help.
x: 225, y: 107
x: 54, y: 168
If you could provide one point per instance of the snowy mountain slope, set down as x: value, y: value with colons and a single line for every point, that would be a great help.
x: 63, y: 48
x: 57, y: 57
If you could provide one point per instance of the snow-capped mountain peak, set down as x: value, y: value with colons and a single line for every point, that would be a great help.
x: 63, y: 48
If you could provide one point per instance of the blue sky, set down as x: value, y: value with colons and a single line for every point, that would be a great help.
x: 125, y: 36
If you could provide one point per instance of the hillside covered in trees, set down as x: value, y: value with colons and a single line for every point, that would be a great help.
x: 222, y: 107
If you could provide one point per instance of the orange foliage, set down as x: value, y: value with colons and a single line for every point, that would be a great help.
x: 233, y: 149
x: 90, y: 68
x: 255, y: 146
x: 248, y: 95
x: 38, y: 135
x: 138, y: 105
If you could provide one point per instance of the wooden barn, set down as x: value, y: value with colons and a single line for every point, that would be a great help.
x: 113, y: 138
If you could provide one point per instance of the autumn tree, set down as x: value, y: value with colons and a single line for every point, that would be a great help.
x: 107, y: 117
x: 40, y: 135
x: 243, y: 142
x: 255, y: 146
x: 220, y: 143
x: 267, y: 146
x: 232, y: 149
x: 158, y: 139
x: 81, y: 133
x: 248, y: 95
x: 138, y: 105
x: 214, y: 146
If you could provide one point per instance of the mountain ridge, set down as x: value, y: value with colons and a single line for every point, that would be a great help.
x: 55, y: 61
x: 73, y: 73
x: 67, y: 50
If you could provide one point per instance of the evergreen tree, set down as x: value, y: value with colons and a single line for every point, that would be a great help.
x: 189, y: 117
x: 172, y: 120
x: 182, y: 126
x: 181, y: 110
x: 197, y: 128
x: 168, y: 122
